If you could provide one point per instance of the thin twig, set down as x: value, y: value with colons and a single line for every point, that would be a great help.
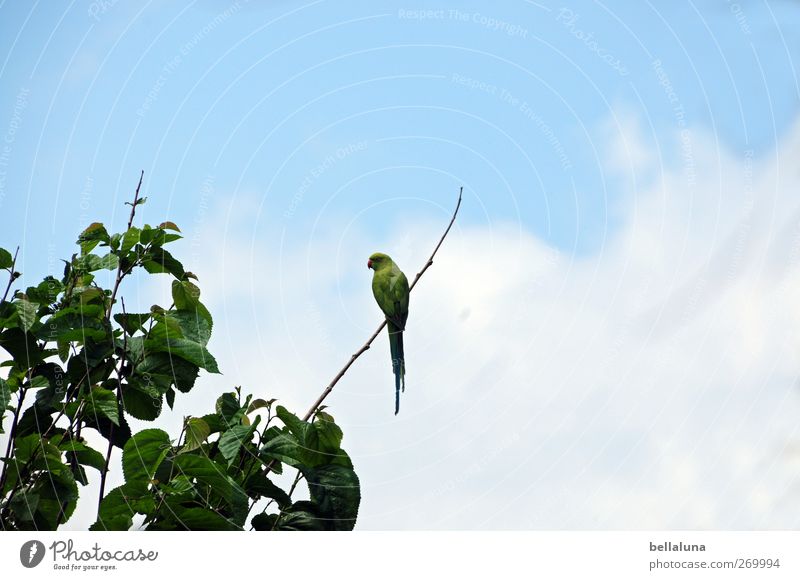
x: 375, y: 334
x: 12, y: 435
x: 104, y: 473
x: 120, y: 274
x: 11, y: 276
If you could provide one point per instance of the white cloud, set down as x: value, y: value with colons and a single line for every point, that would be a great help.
x: 651, y: 385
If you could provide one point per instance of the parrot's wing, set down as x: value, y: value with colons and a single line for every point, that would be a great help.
x: 391, y: 294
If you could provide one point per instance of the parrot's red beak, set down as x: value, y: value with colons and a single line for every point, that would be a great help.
x: 369, y: 264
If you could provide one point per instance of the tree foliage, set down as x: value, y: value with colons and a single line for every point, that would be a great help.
x: 78, y: 362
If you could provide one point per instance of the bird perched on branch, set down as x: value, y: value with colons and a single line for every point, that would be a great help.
x: 390, y: 287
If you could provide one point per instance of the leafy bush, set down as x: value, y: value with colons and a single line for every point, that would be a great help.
x: 86, y: 366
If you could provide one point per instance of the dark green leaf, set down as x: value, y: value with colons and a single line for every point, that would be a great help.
x: 46, y: 292
x: 232, y: 440
x: 101, y: 402
x: 197, y: 518
x: 158, y: 260
x: 301, y: 517
x: 187, y: 350
x: 27, y: 313
x: 213, y: 475
x: 141, y: 400
x: 264, y: 522
x: 259, y: 485
x: 330, y: 435
x: 142, y: 455
x: 116, y: 511
x: 335, y: 491
x: 22, y: 347
x: 83, y: 454
x: 24, y: 505
x: 5, y: 399
x: 6, y: 259
x: 228, y: 408
x: 132, y: 322
x: 118, y: 434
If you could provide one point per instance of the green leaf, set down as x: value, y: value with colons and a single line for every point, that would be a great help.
x: 260, y: 404
x: 24, y: 505
x: 116, y: 511
x: 46, y: 292
x: 284, y: 447
x: 91, y: 236
x: 169, y: 226
x: 158, y: 261
x: 259, y: 485
x: 166, y: 370
x: 301, y: 517
x: 74, y: 324
x: 264, y: 522
x: 187, y: 350
x: 83, y: 454
x: 22, y: 347
x: 93, y: 262
x: 132, y: 322
x: 298, y: 427
x: 232, y: 440
x: 142, y: 455
x: 141, y: 400
x: 197, y: 518
x: 197, y: 431
x: 228, y: 408
x: 129, y: 239
x: 38, y: 382
x: 27, y: 313
x: 118, y: 434
x: 213, y: 475
x: 101, y: 402
x: 165, y: 328
x: 6, y: 259
x: 336, y: 492
x: 330, y: 434
x: 5, y: 399
x: 185, y: 295
x: 78, y: 472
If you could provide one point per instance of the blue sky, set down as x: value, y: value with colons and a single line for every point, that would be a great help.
x: 257, y: 94
x: 611, y: 282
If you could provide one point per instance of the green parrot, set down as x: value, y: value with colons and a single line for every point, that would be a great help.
x: 390, y: 287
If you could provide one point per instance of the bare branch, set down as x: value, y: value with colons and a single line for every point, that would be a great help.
x: 375, y: 334
x: 120, y: 273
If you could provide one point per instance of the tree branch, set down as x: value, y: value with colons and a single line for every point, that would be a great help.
x: 104, y: 472
x: 120, y: 273
x: 375, y: 334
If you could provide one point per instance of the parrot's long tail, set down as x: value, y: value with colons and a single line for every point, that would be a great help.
x: 398, y: 362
